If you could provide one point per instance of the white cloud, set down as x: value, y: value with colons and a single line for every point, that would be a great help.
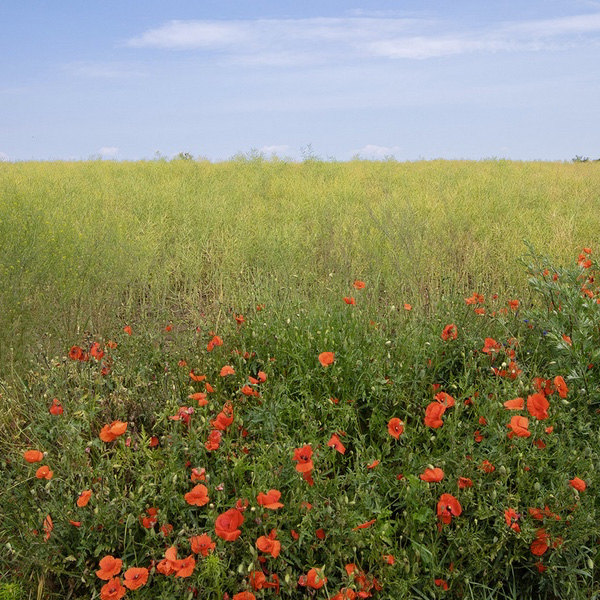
x: 108, y: 151
x: 4, y: 157
x: 276, y: 42
x: 377, y: 152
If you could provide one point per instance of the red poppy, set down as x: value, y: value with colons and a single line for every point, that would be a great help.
x: 432, y: 475
x: 109, y: 433
x: 109, y: 567
x: 202, y: 544
x: 433, y: 415
x: 44, y: 472
x: 407, y: 306
x: 239, y: 319
x: 33, y: 456
x: 197, y: 377
x: 447, y: 507
x: 450, y: 332
x: 364, y: 525
x: 491, y: 346
x: 446, y: 399
x: 186, y: 566
x: 303, y: 457
x: 537, y: 406
x: 541, y: 543
x: 270, y: 499
x: 135, y: 577
x: 96, y: 351
x: 358, y: 284
x: 487, y: 466
x: 56, y: 408
x: 198, y: 474
x: 127, y: 330
x: 198, y: 496
x: 170, y: 563
x: 200, y: 397
x: 75, y: 353
x: 246, y: 595
x: 373, y: 464
x: 269, y: 545
x: 227, y: 523
x: 349, y: 300
x: 227, y: 370
x: 214, y: 440
x: 335, y: 443
x: 519, y: 427
x: 561, y: 386
x: 315, y: 579
x: 441, y: 583
x: 512, y: 517
x: 515, y: 404
x: 578, y: 484
x: 395, y: 427
x: 113, y: 590
x: 464, y: 482
x: 326, y: 358
x: 84, y: 498
x: 224, y: 418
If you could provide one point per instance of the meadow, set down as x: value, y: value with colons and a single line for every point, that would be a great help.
x: 260, y: 379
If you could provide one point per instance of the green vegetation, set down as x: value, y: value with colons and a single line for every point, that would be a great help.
x: 182, y: 326
x: 89, y: 246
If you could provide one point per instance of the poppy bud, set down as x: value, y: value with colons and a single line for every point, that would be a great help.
x: 536, y: 486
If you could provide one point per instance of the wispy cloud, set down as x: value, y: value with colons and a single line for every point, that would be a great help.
x: 4, y: 157
x: 277, y: 149
x: 108, y: 151
x: 373, y: 151
x: 320, y: 40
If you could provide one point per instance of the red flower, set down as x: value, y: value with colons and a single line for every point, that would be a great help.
x: 487, y: 466
x: 326, y: 358
x: 44, y: 472
x: 364, y: 525
x: 447, y: 507
x: 135, y: 577
x: 335, y: 443
x: 450, y: 332
x: 519, y: 427
x: 84, y: 498
x: 578, y: 484
x: 75, y: 353
x: 561, y: 386
x: 198, y: 496
x: 358, y: 284
x: 113, y: 590
x: 315, y: 579
x: 537, y: 406
x: 186, y: 566
x: 395, y: 427
x: 512, y: 517
x: 109, y: 567
x: 202, y: 544
x: 432, y: 475
x: 270, y: 499
x: 56, y: 408
x: 349, y: 300
x: 244, y: 596
x: 433, y: 415
x: 227, y: 523
x: 541, y: 543
x: 464, y: 482
x: 303, y: 456
x: 109, y: 433
x: 515, y: 404
x: 441, y: 583
x: 33, y: 456
x: 269, y: 545
x: 227, y: 370
x: 96, y: 351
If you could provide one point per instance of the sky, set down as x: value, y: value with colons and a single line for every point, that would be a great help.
x: 336, y: 80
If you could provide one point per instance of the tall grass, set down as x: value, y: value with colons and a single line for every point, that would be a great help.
x: 86, y: 246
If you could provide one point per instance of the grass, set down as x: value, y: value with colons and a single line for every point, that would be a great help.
x: 87, y: 246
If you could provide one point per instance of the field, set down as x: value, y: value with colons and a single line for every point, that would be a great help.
x: 309, y: 364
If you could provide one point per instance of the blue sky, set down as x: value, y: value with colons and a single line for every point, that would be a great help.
x: 375, y: 78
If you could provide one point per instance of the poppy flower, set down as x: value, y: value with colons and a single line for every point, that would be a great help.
x: 364, y: 525
x: 127, y: 330
x: 389, y: 559
x: 113, y: 590
x: 109, y: 567
x: 561, y: 386
x: 345, y: 594
x: 446, y: 399
x: 33, y: 456
x: 541, y: 543
x: 135, y: 577
x: 48, y: 527
x: 407, y: 306
x: 224, y: 418
x: 315, y: 579
x: 447, y: 507
x: 515, y: 404
x: 246, y: 595
x: 395, y: 427
x: 44, y: 472
x: 109, y: 433
x: 349, y: 300
x: 326, y: 358
x: 359, y: 285
x: 373, y: 464
x: 433, y: 415
x: 335, y: 443
x: 84, y: 498
x: 239, y: 319
x: 487, y: 466
x: 227, y: 370
x: 441, y: 583
x: 449, y: 333
x: 514, y: 304
x: 75, y: 353
x: 512, y: 517
x: 56, y: 408
x: 270, y: 500
x: 200, y: 397
x: 214, y: 440
x: 578, y: 484
x: 303, y: 457
x: 537, y: 406
x: 227, y: 523
x: 202, y: 544
x: 198, y: 496
x: 477, y: 436
x: 198, y: 474
x: 269, y: 545
x: 519, y: 427
x: 464, y: 482
x: 96, y: 351
x: 432, y: 475
x: 195, y: 377
x: 490, y: 346
x: 170, y: 563
x: 186, y: 566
